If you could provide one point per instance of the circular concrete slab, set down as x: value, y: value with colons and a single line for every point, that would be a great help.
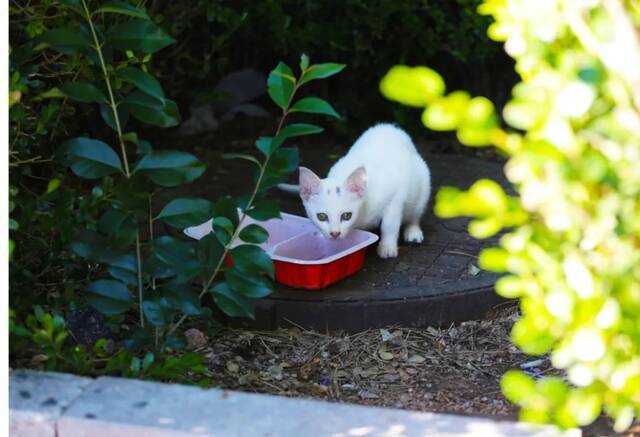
x: 435, y: 283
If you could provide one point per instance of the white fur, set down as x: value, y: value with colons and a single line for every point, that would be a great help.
x: 382, y: 181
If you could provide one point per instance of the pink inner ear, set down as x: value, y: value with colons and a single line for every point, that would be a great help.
x: 309, y: 183
x: 356, y: 183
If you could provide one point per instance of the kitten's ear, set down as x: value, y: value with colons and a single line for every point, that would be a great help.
x: 356, y: 183
x: 309, y: 183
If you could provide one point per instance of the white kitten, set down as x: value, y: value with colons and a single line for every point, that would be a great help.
x: 382, y: 180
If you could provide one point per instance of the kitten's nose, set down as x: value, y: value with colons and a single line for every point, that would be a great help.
x: 334, y: 235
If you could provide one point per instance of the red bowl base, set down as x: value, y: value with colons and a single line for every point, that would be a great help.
x: 317, y: 276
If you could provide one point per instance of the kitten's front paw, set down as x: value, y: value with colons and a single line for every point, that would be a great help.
x: 413, y: 234
x: 387, y: 250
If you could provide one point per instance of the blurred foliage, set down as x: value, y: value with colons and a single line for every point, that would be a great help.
x: 573, y: 249
x: 219, y: 36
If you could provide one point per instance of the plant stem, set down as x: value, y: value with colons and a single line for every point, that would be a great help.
x: 207, y: 284
x: 153, y: 279
x: 123, y: 149
x: 140, y: 294
x: 114, y: 106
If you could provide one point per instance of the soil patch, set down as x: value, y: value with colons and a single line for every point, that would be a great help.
x: 456, y: 369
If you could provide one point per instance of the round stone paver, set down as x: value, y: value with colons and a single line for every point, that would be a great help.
x: 435, y: 283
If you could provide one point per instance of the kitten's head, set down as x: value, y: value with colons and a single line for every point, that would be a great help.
x: 333, y: 205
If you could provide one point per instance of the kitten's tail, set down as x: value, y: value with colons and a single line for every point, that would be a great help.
x: 289, y: 188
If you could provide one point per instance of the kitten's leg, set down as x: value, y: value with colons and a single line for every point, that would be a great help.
x: 390, y: 229
x: 412, y: 231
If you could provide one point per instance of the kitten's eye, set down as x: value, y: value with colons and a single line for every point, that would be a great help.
x: 345, y: 216
x: 322, y: 217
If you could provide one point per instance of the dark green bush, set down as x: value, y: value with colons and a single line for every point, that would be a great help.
x: 97, y: 60
x: 219, y: 36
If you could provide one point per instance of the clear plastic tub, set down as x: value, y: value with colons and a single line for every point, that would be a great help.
x: 302, y: 256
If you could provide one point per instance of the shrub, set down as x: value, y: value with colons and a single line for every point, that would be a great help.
x: 218, y: 36
x: 106, y: 48
x: 573, y: 249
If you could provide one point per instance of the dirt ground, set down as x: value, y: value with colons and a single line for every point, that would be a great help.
x: 449, y: 370
x: 453, y: 370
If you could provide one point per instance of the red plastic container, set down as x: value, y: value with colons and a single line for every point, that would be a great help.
x: 302, y: 256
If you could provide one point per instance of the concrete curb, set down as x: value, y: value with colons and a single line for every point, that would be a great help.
x: 57, y: 404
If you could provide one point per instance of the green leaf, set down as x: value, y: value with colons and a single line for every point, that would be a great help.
x: 264, y: 210
x: 65, y: 40
x: 74, y: 5
x: 242, y: 156
x: 412, y: 86
x: 298, y: 129
x: 89, y: 245
x: 53, y: 185
x: 528, y: 337
x: 254, y: 234
x: 252, y: 259
x: 247, y: 284
x: 517, y: 387
x: 83, y: 92
x: 226, y: 207
x: 124, y: 268
x: 155, y: 268
x: 132, y: 194
x: 223, y: 229
x: 141, y: 35
x: 152, y: 111
x: 147, y: 361
x: 304, y: 62
x: 446, y: 113
x: 281, y: 83
x: 179, y: 255
x: 158, y: 312
x: 144, y: 147
x: 143, y: 81
x: 585, y: 405
x: 321, y: 71
x: 230, y: 302
x: 91, y: 159
x: 131, y: 137
x: 181, y: 297
x: 283, y: 162
x: 120, y: 226
x: 494, y: 259
x: 107, y: 116
x: 268, y: 145
x: 224, y: 223
x: 53, y: 93
x: 210, y: 250
x: 109, y: 297
x: 509, y: 286
x: 314, y: 105
x: 118, y: 7
x: 181, y: 213
x: 170, y: 168
x: 13, y: 225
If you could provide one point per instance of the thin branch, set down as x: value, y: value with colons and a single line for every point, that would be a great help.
x: 114, y: 106
x: 139, y: 268
x: 207, y: 284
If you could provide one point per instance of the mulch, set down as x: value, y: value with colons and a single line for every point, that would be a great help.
x: 456, y: 369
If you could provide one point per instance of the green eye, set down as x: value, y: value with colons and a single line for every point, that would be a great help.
x: 345, y: 216
x: 322, y: 217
